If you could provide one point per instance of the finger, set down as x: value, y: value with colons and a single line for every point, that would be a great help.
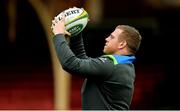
x: 52, y: 26
x: 56, y: 19
x: 63, y: 16
x: 53, y: 22
x: 67, y: 33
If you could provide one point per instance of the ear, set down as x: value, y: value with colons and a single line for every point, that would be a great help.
x: 122, y: 44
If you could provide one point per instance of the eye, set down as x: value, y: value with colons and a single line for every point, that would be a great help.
x: 112, y: 37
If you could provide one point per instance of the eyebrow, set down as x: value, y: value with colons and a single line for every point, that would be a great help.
x: 113, y: 36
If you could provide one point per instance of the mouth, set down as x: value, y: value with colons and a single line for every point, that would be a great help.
x: 105, y: 45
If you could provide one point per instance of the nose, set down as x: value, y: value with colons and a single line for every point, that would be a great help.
x: 107, y: 38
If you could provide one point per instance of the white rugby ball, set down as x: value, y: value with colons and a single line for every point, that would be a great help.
x: 76, y: 20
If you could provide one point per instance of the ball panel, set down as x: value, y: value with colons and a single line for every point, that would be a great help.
x: 76, y: 20
x: 84, y: 14
x: 75, y: 30
x: 72, y: 13
x: 76, y: 27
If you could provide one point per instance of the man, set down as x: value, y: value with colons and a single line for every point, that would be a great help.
x: 109, y: 82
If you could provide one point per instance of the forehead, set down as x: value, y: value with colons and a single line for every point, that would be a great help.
x: 117, y: 32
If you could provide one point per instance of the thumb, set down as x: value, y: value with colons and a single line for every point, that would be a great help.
x: 63, y: 17
x: 67, y: 33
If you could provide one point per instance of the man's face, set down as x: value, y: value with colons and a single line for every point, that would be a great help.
x: 112, y: 42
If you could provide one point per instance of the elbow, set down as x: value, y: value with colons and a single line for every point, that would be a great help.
x: 68, y: 69
x: 69, y: 66
x: 65, y: 67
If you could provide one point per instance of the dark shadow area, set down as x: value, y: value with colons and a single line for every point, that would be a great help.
x: 26, y: 80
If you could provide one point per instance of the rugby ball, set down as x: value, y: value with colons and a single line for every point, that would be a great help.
x: 76, y: 20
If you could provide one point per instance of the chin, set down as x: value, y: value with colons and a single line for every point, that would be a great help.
x: 104, y: 51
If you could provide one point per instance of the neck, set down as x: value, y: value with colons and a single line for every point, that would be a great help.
x: 122, y: 52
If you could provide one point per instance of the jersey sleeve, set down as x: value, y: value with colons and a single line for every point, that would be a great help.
x: 77, y: 46
x: 86, y: 67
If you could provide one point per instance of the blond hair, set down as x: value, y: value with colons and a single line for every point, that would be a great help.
x: 132, y: 37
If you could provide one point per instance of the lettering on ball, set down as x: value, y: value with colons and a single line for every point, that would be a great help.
x: 70, y: 13
x: 75, y: 29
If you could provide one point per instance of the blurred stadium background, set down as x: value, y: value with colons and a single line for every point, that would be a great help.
x: 31, y: 77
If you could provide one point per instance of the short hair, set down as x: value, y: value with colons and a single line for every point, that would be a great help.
x: 132, y: 37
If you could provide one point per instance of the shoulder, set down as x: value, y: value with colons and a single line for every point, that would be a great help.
x: 127, y: 71
x: 104, y: 59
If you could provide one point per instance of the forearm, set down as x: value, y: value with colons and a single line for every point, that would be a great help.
x: 65, y: 55
x: 91, y: 67
x: 77, y: 46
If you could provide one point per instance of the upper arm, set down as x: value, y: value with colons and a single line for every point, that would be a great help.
x: 86, y: 67
x: 89, y: 68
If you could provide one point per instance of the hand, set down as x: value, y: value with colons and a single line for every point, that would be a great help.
x: 58, y: 26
